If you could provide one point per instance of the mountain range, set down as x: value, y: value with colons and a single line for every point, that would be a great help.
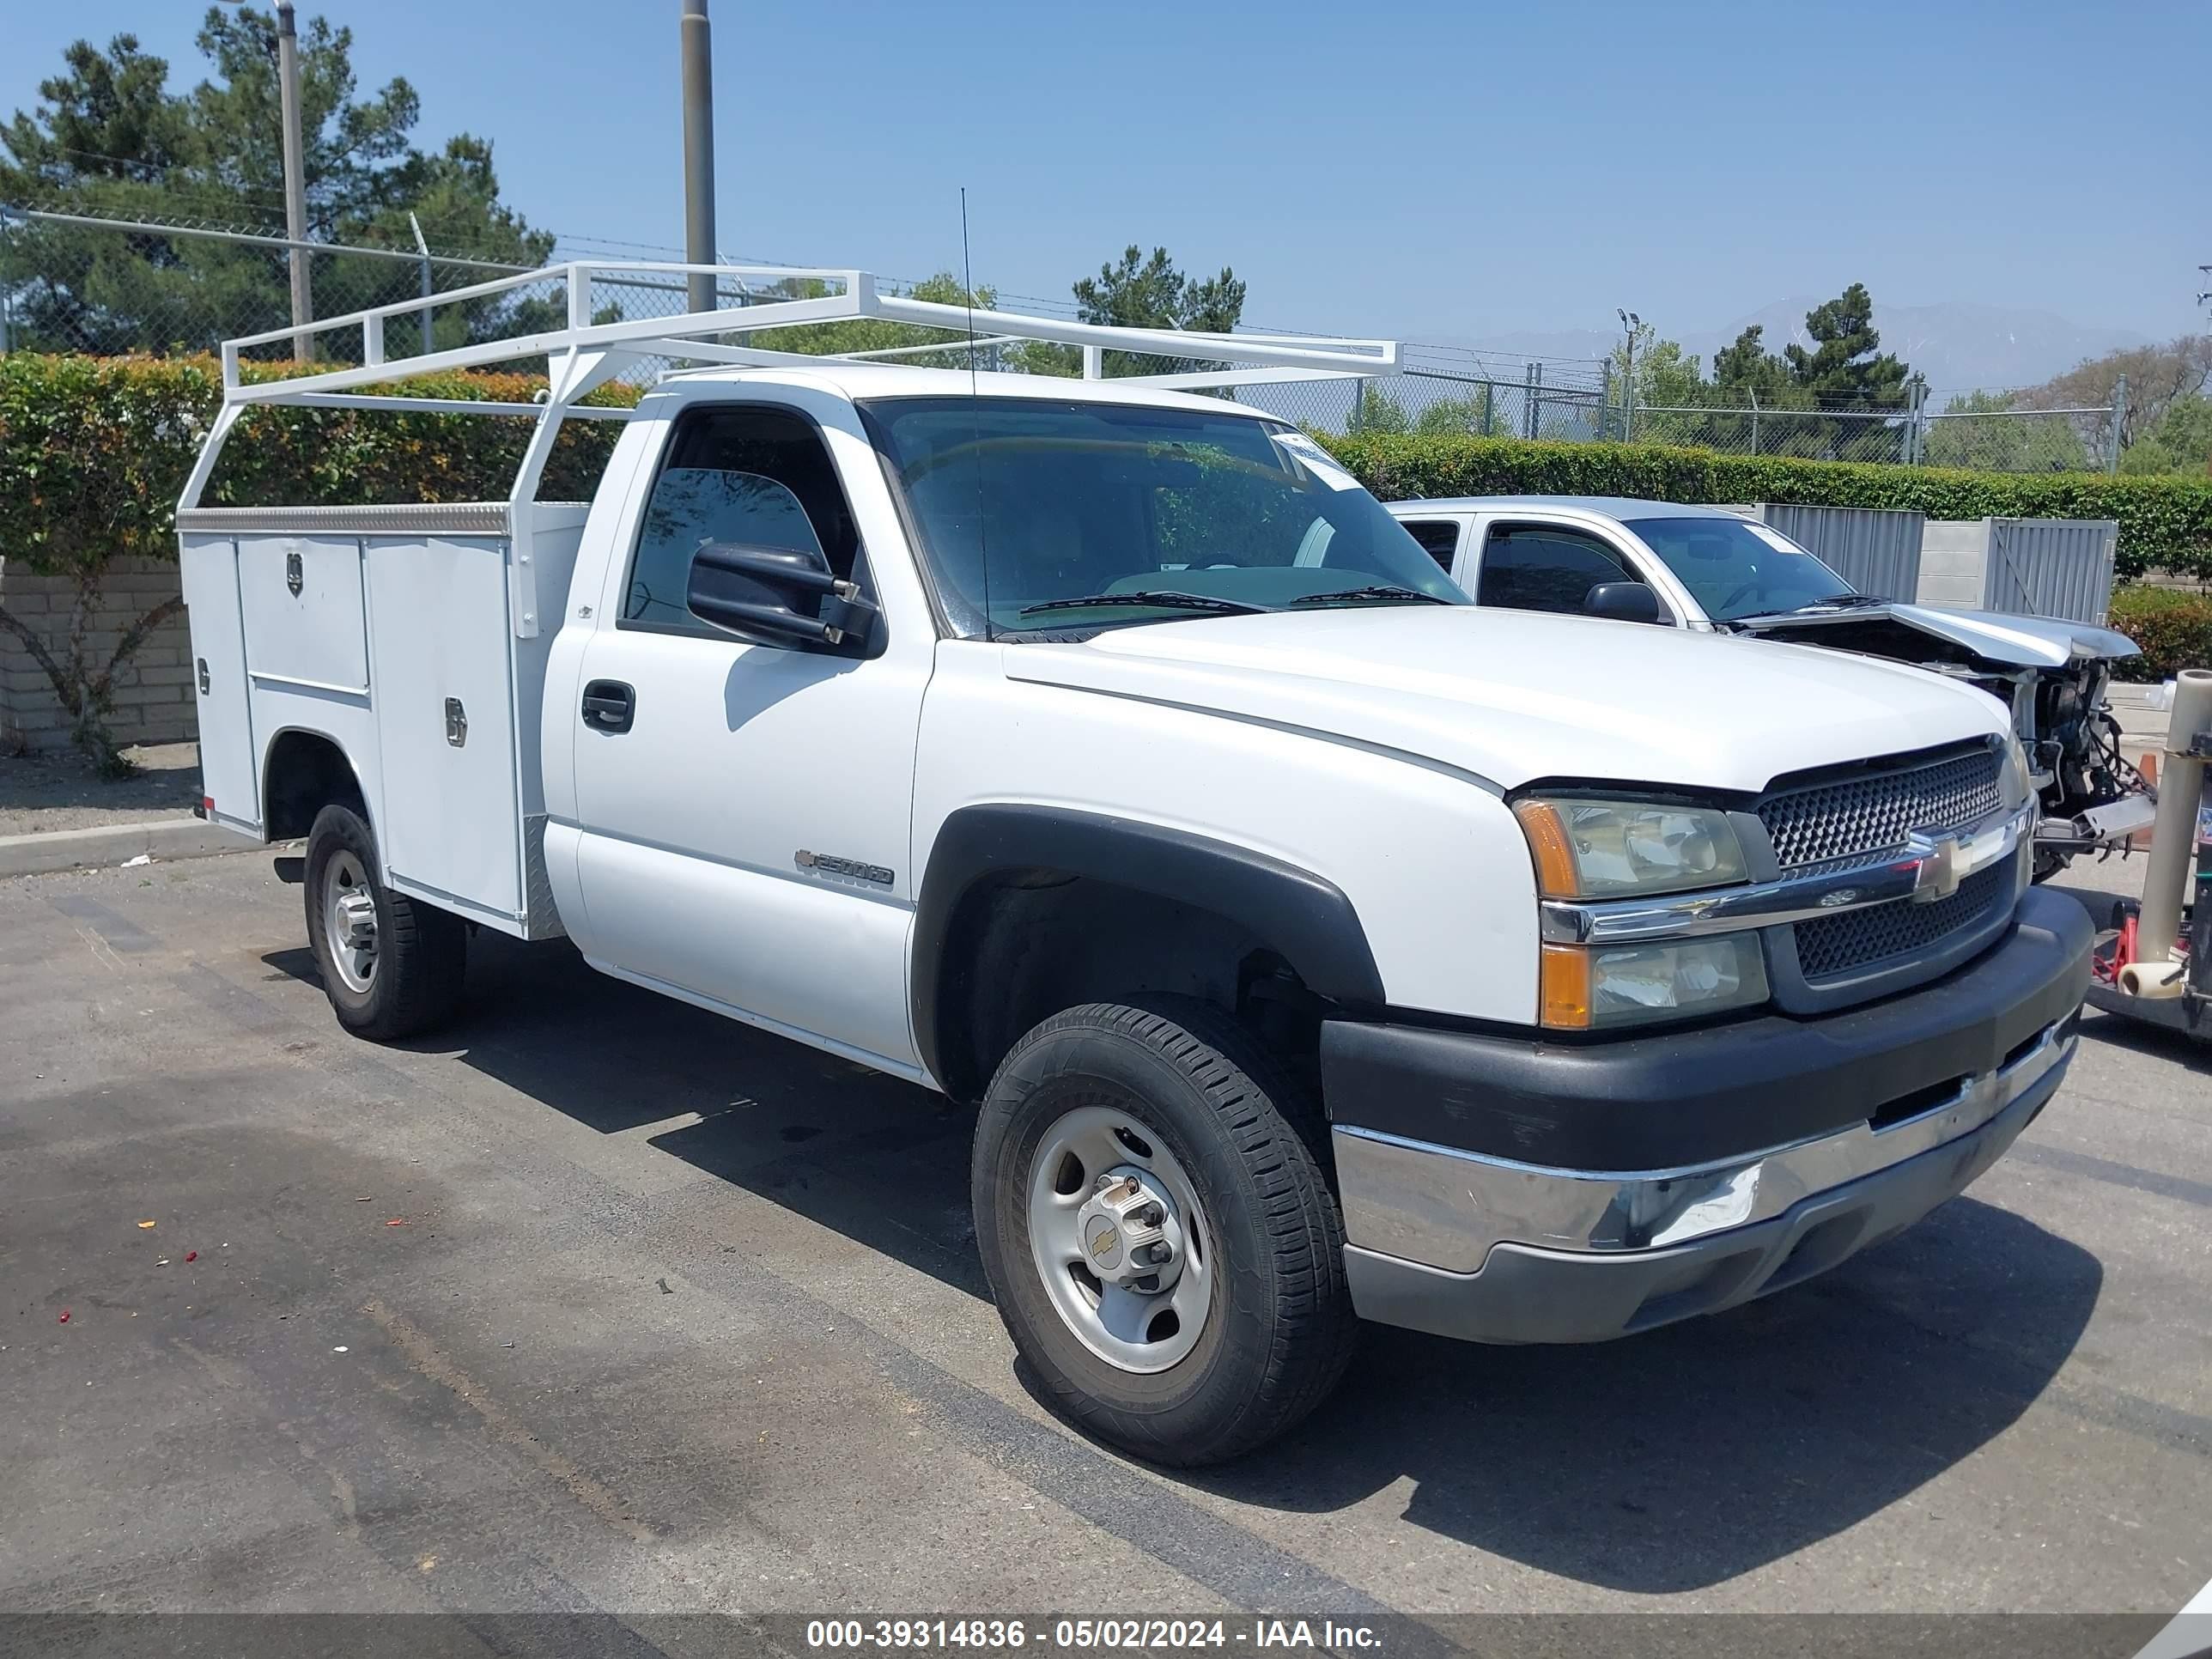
x: 1959, y: 346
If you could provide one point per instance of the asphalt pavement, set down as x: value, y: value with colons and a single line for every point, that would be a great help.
x: 596, y: 1300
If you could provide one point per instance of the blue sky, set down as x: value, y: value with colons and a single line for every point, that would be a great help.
x: 1425, y: 170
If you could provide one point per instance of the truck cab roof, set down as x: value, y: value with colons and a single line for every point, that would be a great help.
x: 1613, y: 507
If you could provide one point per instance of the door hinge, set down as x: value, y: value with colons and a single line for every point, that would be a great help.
x: 294, y: 577
x: 457, y: 722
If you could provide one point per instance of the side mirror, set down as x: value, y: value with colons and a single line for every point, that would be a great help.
x: 777, y: 596
x: 1634, y: 601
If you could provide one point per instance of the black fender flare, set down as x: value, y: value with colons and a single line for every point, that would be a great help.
x: 1306, y: 918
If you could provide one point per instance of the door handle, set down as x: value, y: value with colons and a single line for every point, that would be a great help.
x: 609, y: 706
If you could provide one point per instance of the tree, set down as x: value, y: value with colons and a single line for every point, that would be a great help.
x: 877, y: 334
x: 1843, y: 371
x: 1665, y: 375
x: 1660, y: 380
x: 1454, y: 417
x: 1745, y: 366
x: 1377, y: 411
x: 2180, y: 442
x: 1842, y: 368
x: 2011, y: 439
x: 2158, y: 377
x: 110, y: 138
x: 1152, y: 293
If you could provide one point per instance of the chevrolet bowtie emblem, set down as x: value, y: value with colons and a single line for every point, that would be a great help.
x: 1940, y: 862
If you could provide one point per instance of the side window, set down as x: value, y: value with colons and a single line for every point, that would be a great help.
x: 1525, y: 568
x: 1439, y: 539
x: 737, y: 473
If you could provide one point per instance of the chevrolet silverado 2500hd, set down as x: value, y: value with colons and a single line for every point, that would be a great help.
x: 1316, y: 944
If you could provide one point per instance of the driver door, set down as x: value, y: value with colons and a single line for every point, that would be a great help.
x: 744, y: 808
x: 1548, y: 567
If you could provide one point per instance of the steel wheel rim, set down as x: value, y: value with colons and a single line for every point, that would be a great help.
x: 1129, y: 1328
x: 349, y: 921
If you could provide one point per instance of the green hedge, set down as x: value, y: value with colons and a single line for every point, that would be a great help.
x: 95, y: 451
x: 2174, y: 628
x: 2165, y: 522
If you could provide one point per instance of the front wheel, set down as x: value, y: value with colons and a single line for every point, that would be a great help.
x: 391, y: 966
x: 1162, y: 1244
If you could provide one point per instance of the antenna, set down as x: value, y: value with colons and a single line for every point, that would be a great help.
x: 967, y: 295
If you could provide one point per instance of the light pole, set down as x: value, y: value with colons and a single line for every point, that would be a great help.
x: 1630, y: 322
x: 295, y: 182
x: 698, y: 154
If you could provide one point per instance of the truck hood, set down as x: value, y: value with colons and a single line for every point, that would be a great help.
x: 1509, y: 696
x: 2007, y: 641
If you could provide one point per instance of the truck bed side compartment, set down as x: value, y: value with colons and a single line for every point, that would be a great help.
x: 230, y: 768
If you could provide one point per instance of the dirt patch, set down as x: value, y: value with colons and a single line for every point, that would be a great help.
x: 43, y: 792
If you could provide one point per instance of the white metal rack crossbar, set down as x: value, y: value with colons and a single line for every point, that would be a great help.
x: 584, y: 355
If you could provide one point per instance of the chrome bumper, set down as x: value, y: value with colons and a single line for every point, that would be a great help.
x: 1482, y: 1248
x: 1447, y: 1208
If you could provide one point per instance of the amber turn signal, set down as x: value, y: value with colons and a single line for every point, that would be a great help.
x: 1547, y: 843
x: 1564, y: 992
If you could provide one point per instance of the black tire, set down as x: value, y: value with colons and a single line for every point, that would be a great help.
x: 1279, y: 1329
x: 421, y: 952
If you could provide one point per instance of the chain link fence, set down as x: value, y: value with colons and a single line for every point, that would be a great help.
x: 71, y: 283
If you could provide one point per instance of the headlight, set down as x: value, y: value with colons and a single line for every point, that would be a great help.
x: 1598, y: 987
x: 1596, y: 849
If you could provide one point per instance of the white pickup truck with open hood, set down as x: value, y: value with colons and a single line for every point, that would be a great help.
x: 1316, y: 944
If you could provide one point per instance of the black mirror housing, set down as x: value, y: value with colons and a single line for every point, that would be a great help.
x: 779, y: 596
x: 1635, y: 602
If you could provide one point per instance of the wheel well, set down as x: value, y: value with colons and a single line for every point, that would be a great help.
x: 1024, y: 944
x: 306, y: 772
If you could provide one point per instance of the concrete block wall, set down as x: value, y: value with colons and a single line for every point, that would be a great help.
x: 1954, y: 556
x: 154, y: 693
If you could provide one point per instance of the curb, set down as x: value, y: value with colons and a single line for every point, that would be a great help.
x: 110, y: 844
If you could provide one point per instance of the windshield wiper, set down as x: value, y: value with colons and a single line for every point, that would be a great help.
x: 1163, y: 598
x: 1378, y: 591
x: 1839, y: 602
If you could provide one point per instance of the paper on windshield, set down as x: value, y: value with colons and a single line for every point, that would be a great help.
x: 1316, y: 459
x: 1773, y: 538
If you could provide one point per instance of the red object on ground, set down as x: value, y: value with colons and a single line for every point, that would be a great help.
x: 64, y: 1318
x: 397, y: 1221
x: 192, y: 1255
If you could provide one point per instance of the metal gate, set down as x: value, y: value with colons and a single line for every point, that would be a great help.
x: 1875, y: 550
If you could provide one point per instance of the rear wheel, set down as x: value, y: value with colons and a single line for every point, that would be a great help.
x: 1156, y: 1230
x: 391, y: 966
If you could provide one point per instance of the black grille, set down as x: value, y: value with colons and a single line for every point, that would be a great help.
x: 1830, y: 945
x: 1865, y: 816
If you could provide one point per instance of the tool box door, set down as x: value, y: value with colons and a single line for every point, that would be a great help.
x: 445, y: 706
x: 230, y: 787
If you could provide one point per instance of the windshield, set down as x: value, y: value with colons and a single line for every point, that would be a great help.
x: 1024, y: 504
x: 1735, y: 567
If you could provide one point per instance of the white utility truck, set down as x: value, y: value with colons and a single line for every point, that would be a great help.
x: 1316, y: 944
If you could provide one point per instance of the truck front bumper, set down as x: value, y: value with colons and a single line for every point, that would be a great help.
x: 1504, y: 1190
